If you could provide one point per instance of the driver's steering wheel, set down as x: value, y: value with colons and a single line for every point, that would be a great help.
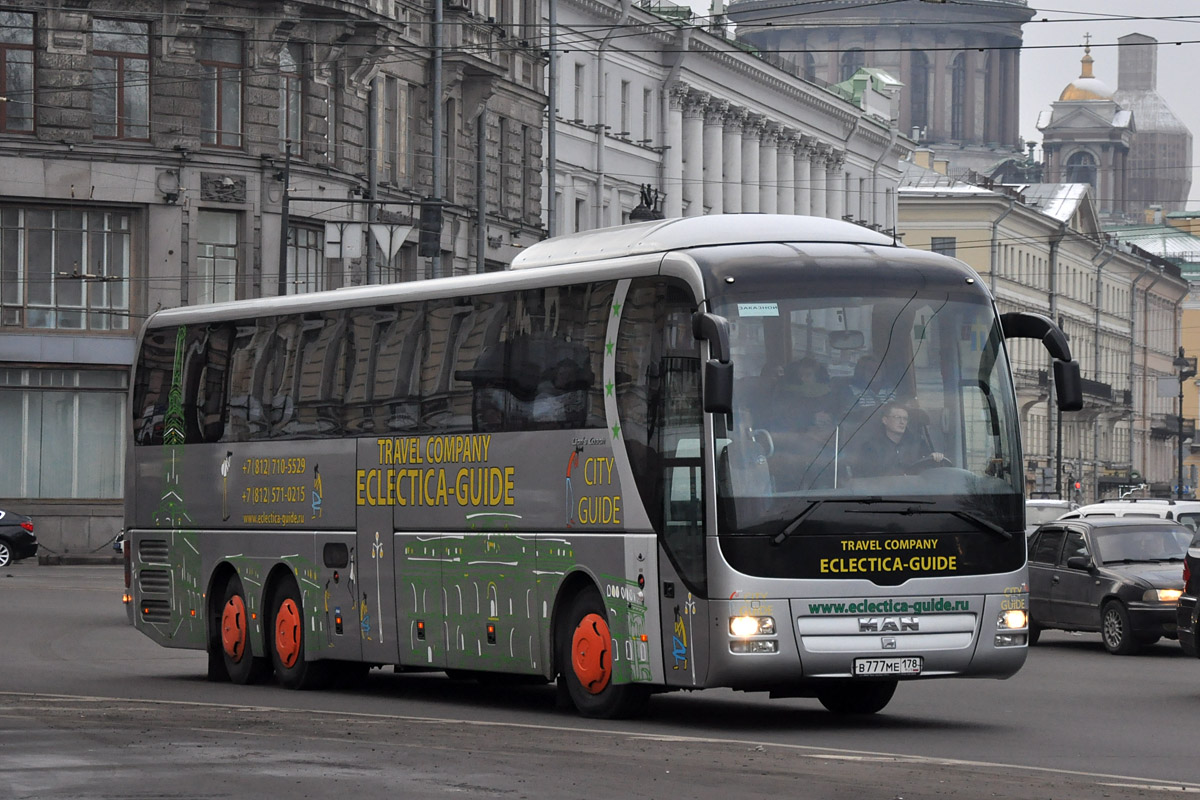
x: 927, y: 463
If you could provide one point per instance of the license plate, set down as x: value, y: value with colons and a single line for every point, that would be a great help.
x: 910, y: 665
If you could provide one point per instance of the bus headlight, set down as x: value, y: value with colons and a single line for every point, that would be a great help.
x: 1013, y: 619
x: 743, y: 627
x: 1161, y: 595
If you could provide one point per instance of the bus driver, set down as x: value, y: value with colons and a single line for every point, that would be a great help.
x: 898, y: 451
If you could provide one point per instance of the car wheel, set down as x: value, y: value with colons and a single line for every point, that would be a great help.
x: 854, y: 697
x: 5, y: 554
x: 286, y: 634
x: 1035, y: 633
x: 1114, y: 630
x: 584, y: 645
x: 242, y: 666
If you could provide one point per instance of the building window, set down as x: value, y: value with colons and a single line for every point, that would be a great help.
x: 305, y: 261
x: 291, y: 96
x: 120, y: 79
x: 945, y: 245
x: 529, y: 168
x: 221, y: 94
x: 16, y: 71
x: 852, y: 61
x: 958, y: 96
x: 509, y: 170
x: 217, y: 256
x: 64, y: 268
x: 1081, y: 168
x: 647, y: 115
x: 579, y: 95
x: 64, y: 433
x: 625, y: 111
x: 449, y: 146
x: 391, y: 135
x: 919, y: 93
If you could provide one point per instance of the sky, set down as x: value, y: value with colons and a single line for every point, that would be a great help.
x: 1052, y: 50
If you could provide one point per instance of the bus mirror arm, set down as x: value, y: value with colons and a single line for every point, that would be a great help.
x: 718, y: 372
x: 1067, y: 383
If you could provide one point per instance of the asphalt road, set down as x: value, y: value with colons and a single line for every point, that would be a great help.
x: 89, y: 708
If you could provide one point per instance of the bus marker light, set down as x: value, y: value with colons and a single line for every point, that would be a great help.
x: 420, y: 630
x: 491, y: 633
x: 645, y: 638
x: 193, y: 612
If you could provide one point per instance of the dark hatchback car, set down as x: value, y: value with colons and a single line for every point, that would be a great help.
x: 16, y: 538
x: 1188, y: 611
x: 1119, y: 576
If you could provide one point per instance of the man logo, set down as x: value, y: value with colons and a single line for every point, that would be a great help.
x: 888, y: 624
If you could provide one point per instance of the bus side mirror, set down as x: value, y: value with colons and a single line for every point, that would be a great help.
x: 718, y: 372
x: 1068, y: 386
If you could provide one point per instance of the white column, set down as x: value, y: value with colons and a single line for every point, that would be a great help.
x: 768, y: 190
x: 804, y: 153
x: 787, y: 173
x: 714, y: 171
x: 750, y: 135
x: 820, y: 156
x: 673, y: 157
x: 693, y: 154
x: 836, y: 183
x: 732, y: 156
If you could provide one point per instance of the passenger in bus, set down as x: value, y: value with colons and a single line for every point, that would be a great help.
x: 898, y: 451
x: 867, y: 386
x: 803, y: 390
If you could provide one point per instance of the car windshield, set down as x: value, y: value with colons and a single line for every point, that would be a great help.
x: 1134, y: 544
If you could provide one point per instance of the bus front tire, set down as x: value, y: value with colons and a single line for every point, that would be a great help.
x: 237, y: 654
x: 857, y: 697
x: 584, y: 645
x: 286, y: 642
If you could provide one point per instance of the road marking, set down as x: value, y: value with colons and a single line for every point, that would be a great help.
x: 807, y: 751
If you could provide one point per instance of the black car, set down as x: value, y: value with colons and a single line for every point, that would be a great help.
x: 1119, y: 576
x: 1187, y: 615
x: 16, y: 538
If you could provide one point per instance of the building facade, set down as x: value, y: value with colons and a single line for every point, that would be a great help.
x: 155, y: 154
x: 1041, y: 249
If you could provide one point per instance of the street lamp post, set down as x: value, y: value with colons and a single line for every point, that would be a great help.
x: 1187, y: 369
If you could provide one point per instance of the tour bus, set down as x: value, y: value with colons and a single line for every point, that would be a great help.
x: 642, y: 459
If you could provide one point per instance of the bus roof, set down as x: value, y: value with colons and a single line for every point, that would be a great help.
x: 659, y: 236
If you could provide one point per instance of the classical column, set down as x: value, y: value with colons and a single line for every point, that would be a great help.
x: 714, y: 171
x: 835, y: 205
x: 768, y: 170
x: 750, y: 134
x: 787, y: 173
x: 804, y: 152
x: 693, y: 153
x: 819, y: 157
x: 732, y: 156
x: 673, y: 157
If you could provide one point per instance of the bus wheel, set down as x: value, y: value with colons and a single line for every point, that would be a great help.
x: 241, y: 664
x: 287, y: 642
x: 584, y: 645
x: 855, y: 697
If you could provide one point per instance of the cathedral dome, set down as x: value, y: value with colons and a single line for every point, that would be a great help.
x: 1087, y: 86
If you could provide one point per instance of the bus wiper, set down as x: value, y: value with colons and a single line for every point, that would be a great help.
x: 815, y: 504
x: 979, y: 522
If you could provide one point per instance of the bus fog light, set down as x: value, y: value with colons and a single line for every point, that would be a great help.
x: 1010, y: 639
x: 1013, y: 619
x: 754, y: 646
x: 751, y: 626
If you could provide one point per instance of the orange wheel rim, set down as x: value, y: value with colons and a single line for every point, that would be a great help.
x: 287, y: 632
x: 233, y: 628
x: 591, y: 653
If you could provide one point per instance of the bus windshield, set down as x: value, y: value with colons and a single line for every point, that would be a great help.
x: 900, y: 394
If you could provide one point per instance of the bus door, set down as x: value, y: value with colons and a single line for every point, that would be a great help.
x: 374, y: 562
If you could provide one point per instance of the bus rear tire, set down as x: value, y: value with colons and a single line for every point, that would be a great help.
x: 584, y: 646
x: 857, y: 697
x: 286, y: 642
x: 237, y: 654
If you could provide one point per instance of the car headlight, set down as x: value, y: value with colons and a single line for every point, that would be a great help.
x: 1161, y: 595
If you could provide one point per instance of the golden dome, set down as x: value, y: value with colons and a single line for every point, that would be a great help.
x: 1087, y: 86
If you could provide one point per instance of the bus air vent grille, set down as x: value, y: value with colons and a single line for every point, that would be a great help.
x: 154, y: 581
x: 156, y: 610
x: 153, y: 550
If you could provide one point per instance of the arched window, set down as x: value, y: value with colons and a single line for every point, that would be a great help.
x: 1081, y: 168
x: 852, y: 60
x: 919, y: 93
x: 958, y: 96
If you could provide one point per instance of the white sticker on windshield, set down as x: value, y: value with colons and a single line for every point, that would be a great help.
x: 758, y: 309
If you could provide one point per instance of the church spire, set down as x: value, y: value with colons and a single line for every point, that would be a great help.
x: 1086, y: 61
